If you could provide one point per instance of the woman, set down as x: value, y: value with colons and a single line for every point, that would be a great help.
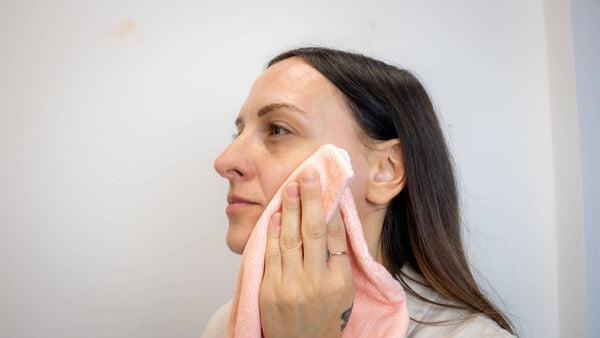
x: 404, y: 189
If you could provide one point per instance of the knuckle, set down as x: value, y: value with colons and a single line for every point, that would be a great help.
x: 290, y: 242
x: 342, y: 286
x: 314, y: 230
x: 291, y: 205
x: 267, y: 297
x: 290, y: 299
x: 334, y: 231
x: 272, y: 256
x: 312, y: 194
x: 315, y: 291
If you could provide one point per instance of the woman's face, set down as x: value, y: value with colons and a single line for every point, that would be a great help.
x: 290, y: 112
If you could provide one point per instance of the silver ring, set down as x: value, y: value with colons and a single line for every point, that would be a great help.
x: 334, y: 253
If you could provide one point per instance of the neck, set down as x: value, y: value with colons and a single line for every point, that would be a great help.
x: 372, y: 219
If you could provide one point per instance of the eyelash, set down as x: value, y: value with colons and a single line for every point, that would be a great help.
x: 272, y: 127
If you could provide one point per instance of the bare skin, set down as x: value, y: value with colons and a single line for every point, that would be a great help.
x: 299, y: 284
x: 290, y: 112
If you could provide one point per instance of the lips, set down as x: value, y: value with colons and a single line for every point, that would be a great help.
x: 236, y: 203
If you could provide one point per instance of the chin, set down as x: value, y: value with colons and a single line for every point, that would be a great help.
x: 237, y: 238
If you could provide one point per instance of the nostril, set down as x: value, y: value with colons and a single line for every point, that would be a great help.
x: 235, y: 172
x: 233, y: 164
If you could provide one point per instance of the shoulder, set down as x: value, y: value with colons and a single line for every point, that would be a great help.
x: 217, y: 326
x: 452, y: 322
x: 475, y: 326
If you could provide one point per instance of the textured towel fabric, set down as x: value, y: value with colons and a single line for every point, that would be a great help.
x: 379, y: 302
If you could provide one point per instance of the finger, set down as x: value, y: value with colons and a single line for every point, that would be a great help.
x: 290, y: 240
x: 313, y: 222
x: 273, y: 254
x: 336, y: 242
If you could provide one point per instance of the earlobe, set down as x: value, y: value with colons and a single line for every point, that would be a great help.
x: 387, y: 177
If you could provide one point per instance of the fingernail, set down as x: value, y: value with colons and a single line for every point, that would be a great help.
x: 275, y: 226
x: 276, y: 220
x: 292, y: 190
x: 309, y: 176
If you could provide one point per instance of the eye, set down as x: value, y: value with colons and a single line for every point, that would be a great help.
x: 237, y: 133
x: 276, y: 129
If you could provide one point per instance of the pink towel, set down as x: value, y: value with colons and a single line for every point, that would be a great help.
x: 379, y: 302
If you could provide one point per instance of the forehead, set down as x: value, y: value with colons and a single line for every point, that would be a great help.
x: 295, y: 82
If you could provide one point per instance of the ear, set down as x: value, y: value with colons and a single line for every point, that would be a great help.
x: 386, y: 172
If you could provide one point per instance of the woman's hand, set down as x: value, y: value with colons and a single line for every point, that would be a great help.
x: 303, y: 294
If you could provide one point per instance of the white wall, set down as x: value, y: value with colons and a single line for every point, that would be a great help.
x: 112, y: 218
x: 568, y: 209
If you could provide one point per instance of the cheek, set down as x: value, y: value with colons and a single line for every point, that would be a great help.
x: 360, y: 166
x: 358, y: 185
x: 276, y: 170
x: 274, y: 174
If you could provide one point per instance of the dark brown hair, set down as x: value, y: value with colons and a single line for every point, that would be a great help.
x: 422, y: 225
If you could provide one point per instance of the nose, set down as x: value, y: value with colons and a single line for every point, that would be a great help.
x: 235, y: 162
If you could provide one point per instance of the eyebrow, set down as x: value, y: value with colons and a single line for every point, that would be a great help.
x: 270, y: 108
